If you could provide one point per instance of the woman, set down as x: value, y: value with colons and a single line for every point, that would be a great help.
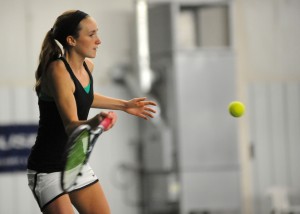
x: 64, y: 86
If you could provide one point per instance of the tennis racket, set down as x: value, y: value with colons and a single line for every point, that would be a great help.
x: 78, y: 149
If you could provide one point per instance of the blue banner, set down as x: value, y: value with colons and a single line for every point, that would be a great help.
x: 15, y: 145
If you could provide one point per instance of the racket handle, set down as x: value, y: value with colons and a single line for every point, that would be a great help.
x: 105, y: 123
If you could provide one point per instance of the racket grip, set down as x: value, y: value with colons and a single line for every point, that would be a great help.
x: 105, y: 123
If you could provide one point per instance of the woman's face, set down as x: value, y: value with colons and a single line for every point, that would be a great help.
x: 88, y: 41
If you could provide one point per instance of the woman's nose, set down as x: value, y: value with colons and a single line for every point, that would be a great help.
x: 98, y: 41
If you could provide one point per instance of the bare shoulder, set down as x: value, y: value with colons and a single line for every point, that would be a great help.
x: 59, y: 77
x: 57, y: 69
x: 90, y: 64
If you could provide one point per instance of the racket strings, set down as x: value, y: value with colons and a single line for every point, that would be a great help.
x: 79, y: 148
x: 78, y: 151
x: 76, y: 159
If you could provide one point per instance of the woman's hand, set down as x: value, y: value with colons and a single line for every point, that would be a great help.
x: 140, y: 107
x: 96, y: 120
x: 113, y: 116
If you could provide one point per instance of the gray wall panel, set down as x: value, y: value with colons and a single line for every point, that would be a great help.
x: 214, y: 191
x: 205, y: 86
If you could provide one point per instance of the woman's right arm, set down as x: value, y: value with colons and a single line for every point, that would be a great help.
x: 61, y: 87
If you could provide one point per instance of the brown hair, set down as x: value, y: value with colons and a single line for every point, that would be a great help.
x: 65, y: 25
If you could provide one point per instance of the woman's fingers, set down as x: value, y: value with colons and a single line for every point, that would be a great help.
x: 113, y: 117
x: 150, y: 109
x: 109, y: 114
x: 144, y: 101
x: 148, y: 114
x: 150, y: 103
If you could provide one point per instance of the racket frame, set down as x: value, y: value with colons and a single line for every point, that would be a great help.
x: 92, y: 138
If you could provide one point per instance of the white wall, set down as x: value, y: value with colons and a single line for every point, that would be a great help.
x: 266, y: 38
x: 23, y: 27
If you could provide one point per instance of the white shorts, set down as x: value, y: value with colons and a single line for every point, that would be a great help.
x: 46, y: 187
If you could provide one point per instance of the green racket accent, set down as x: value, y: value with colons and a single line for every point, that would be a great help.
x: 77, y: 154
x: 78, y: 150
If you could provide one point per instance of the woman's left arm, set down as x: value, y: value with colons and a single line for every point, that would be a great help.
x: 139, y: 107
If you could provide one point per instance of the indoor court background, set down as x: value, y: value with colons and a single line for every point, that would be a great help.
x: 194, y: 158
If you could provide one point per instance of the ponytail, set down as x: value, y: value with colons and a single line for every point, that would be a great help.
x: 49, y: 52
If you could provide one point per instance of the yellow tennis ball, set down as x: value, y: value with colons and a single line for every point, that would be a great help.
x: 236, y: 109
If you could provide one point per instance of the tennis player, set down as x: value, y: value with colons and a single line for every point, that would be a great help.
x: 64, y: 86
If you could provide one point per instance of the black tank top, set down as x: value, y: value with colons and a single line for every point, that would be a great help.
x: 46, y: 154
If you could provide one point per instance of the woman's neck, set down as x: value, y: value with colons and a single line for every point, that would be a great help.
x: 75, y: 61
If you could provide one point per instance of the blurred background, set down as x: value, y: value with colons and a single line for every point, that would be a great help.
x: 193, y: 57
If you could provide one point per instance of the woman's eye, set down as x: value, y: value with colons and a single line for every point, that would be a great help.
x: 93, y: 34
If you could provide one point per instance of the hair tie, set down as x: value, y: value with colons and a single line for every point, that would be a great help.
x: 60, y: 47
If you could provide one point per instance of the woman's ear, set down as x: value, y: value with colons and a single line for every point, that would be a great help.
x: 71, y: 41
